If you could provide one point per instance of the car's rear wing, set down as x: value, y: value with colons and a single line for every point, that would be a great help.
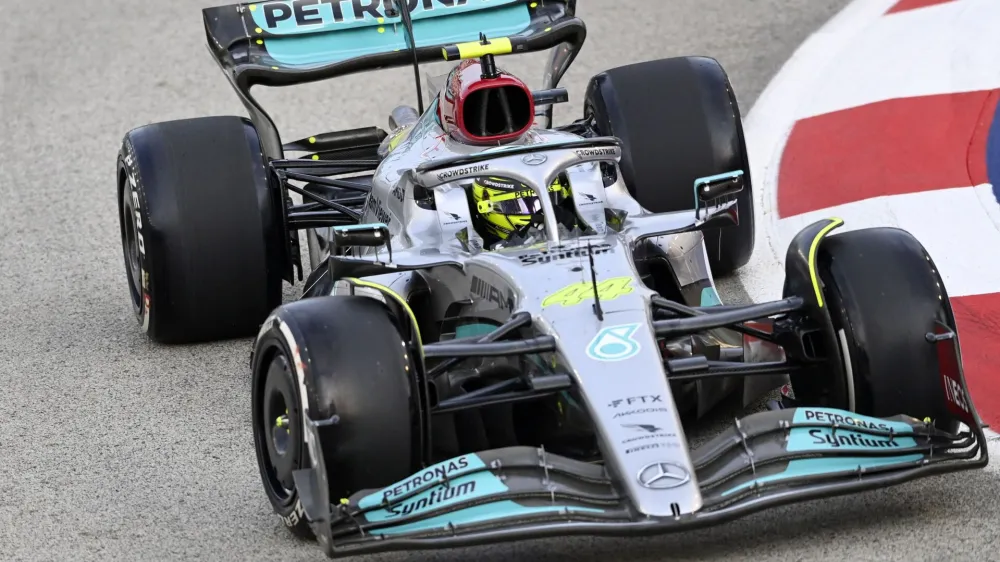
x: 288, y: 42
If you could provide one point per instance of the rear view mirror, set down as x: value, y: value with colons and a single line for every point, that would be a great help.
x: 715, y: 191
x: 368, y: 235
x: 719, y: 186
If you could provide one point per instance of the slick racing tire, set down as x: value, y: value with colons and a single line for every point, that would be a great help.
x: 201, y: 234
x: 347, y: 356
x: 678, y: 121
x: 884, y: 295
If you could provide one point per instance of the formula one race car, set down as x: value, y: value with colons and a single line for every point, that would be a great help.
x: 507, y: 326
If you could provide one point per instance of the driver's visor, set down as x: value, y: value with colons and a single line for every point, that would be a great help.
x: 523, y: 202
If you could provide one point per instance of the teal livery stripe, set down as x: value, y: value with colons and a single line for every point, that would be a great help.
x: 813, y: 467
x: 327, y: 48
x: 826, y: 438
x: 498, y: 510
x: 820, y: 439
x: 459, y: 489
x: 709, y: 297
x: 299, y: 17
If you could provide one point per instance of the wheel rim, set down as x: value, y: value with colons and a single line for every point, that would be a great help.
x: 279, y: 430
x: 130, y: 246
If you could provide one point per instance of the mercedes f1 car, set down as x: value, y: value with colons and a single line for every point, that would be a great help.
x: 507, y: 326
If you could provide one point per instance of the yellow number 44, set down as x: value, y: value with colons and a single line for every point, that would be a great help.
x: 607, y: 290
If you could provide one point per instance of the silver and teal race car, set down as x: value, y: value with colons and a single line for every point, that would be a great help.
x: 508, y: 328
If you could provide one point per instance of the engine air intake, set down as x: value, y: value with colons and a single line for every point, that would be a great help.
x: 483, y: 105
x: 497, y: 111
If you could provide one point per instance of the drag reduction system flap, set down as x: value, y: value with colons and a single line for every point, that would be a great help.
x: 285, y: 42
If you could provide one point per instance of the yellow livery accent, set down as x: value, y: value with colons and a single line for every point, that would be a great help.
x: 475, y: 49
x: 572, y: 295
x: 395, y: 296
x: 399, y: 137
x: 835, y: 222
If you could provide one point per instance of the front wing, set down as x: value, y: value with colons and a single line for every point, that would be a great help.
x: 764, y: 460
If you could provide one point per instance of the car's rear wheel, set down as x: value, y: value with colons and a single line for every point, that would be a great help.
x: 201, y: 232
x: 679, y: 121
x: 347, y: 356
x: 885, y: 295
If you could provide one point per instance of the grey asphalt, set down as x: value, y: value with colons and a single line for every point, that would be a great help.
x: 112, y: 448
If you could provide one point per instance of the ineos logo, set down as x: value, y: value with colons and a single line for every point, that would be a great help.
x: 662, y: 475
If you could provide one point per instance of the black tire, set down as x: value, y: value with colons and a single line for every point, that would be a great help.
x: 202, y: 237
x: 354, y: 367
x: 884, y: 294
x: 678, y: 121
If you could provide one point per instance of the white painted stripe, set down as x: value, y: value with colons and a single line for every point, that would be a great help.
x: 948, y: 48
x: 768, y: 124
x: 993, y: 447
x: 800, y: 88
x: 953, y: 224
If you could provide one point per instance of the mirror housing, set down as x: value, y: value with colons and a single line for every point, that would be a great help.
x: 721, y: 185
x: 371, y: 235
x: 550, y: 96
x: 713, y: 191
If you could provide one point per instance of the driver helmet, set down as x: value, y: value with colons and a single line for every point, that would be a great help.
x: 506, y: 206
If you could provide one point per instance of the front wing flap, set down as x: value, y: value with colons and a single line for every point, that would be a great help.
x: 763, y: 460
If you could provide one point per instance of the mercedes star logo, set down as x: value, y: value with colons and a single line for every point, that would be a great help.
x: 663, y: 475
x: 534, y: 159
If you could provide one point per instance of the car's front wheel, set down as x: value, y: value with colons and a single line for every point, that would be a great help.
x: 885, y: 296
x: 339, y: 360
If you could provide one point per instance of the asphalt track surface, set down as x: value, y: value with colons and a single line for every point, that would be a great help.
x: 112, y: 448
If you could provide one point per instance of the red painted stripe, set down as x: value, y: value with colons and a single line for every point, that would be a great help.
x: 898, y: 146
x: 978, y: 319
x: 906, y: 5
